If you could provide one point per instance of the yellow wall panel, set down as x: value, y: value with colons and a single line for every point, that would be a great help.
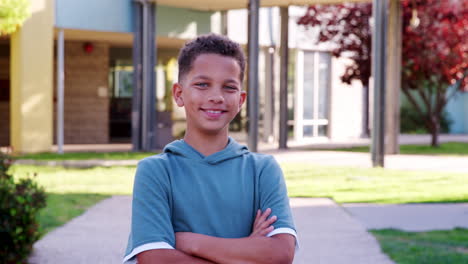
x: 31, y: 73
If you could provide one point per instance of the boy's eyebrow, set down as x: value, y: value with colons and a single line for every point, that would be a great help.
x: 209, y: 78
x: 202, y: 77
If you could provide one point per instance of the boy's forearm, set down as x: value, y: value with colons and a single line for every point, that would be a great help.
x: 257, y: 250
x: 169, y: 256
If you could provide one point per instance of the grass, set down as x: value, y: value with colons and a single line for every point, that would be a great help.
x: 71, y: 190
x: 374, y: 185
x: 434, y: 247
x: 62, y: 207
x: 86, y: 156
x: 450, y: 148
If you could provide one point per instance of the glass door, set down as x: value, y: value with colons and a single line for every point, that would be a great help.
x: 312, y: 95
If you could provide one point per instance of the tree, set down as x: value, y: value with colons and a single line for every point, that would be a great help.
x: 347, y: 27
x: 435, y: 52
x: 13, y: 13
x: 435, y: 57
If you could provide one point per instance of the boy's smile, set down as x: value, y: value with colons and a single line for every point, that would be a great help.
x: 211, y: 93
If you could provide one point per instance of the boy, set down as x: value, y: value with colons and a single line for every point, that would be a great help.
x: 206, y: 199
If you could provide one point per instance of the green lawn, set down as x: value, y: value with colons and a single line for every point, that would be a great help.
x: 87, y: 155
x: 374, y: 185
x: 62, y: 207
x: 435, y: 247
x: 72, y: 190
x: 451, y: 148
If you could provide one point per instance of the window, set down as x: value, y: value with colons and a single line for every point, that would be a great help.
x: 312, y: 94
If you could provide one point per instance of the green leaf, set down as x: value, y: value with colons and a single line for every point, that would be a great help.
x: 13, y: 13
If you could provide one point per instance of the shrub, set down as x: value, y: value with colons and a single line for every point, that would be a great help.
x: 20, y: 202
x: 412, y: 123
x: 13, y: 13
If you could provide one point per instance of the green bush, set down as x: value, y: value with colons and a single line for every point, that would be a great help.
x: 412, y: 123
x: 13, y: 13
x: 20, y: 202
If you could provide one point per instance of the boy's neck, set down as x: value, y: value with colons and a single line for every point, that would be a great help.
x: 207, y: 144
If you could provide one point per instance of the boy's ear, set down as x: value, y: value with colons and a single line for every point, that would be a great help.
x: 243, y: 96
x: 177, y: 94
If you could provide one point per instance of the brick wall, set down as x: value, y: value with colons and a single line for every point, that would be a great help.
x: 4, y: 105
x: 86, y: 113
x: 4, y: 124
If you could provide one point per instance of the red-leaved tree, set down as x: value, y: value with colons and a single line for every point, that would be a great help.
x: 347, y: 27
x: 435, y: 57
x: 434, y: 53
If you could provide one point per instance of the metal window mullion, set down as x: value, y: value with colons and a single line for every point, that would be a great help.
x: 315, y: 91
x: 299, y: 98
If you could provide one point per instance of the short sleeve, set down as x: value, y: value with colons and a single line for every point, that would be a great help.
x: 273, y: 194
x: 151, y: 226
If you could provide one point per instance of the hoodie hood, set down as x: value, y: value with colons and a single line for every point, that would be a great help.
x: 182, y: 148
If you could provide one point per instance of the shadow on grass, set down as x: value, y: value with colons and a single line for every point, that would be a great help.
x: 62, y: 207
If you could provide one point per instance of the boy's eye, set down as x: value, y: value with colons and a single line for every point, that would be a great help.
x: 230, y: 88
x: 201, y: 84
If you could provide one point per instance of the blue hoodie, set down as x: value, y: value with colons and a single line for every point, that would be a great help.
x: 181, y: 190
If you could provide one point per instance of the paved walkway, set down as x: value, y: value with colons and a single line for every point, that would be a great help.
x: 410, y: 217
x: 326, y: 158
x: 303, y: 152
x: 327, y: 235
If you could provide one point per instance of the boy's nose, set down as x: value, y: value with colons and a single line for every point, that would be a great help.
x: 216, y: 98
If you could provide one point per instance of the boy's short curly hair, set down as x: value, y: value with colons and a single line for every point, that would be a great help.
x: 210, y: 43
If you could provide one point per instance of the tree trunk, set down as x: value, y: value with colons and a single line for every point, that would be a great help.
x: 435, y: 131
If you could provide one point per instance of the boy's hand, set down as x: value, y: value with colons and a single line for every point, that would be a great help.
x: 262, y: 226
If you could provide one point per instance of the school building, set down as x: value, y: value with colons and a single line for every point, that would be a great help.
x: 97, y: 73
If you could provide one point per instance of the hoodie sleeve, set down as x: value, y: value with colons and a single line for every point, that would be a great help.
x: 151, y: 226
x: 273, y: 194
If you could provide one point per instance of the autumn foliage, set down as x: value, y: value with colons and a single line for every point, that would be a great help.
x: 435, y: 57
x: 434, y: 52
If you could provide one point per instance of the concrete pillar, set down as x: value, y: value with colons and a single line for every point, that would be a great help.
x: 284, y: 51
x: 31, y: 73
x: 393, y: 78
x: 252, y: 78
x: 379, y: 12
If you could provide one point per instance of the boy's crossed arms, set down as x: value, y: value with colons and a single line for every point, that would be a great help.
x: 257, y: 248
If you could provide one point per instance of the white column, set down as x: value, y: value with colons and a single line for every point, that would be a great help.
x: 60, y: 89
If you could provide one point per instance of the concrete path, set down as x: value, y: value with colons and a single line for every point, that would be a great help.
x: 327, y: 234
x: 98, y: 236
x: 410, y: 217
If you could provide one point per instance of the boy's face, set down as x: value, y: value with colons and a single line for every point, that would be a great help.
x: 211, y: 93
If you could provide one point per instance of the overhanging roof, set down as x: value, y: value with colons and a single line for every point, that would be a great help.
x: 216, y: 5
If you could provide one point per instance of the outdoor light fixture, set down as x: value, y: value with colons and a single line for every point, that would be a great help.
x: 415, y: 21
x: 88, y: 47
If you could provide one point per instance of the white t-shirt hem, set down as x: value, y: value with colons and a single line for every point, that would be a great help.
x: 285, y: 230
x: 130, y: 258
